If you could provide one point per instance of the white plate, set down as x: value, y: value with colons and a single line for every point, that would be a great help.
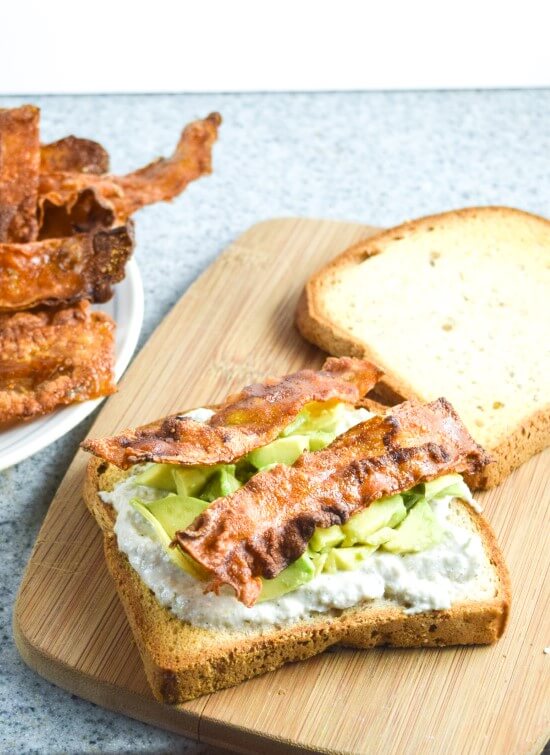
x: 126, y: 308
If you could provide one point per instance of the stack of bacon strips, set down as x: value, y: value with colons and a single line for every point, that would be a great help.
x: 266, y: 525
x: 65, y: 238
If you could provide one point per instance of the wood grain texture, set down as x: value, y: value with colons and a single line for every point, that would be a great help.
x: 234, y: 325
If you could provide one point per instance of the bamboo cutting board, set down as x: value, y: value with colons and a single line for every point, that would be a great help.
x: 233, y: 326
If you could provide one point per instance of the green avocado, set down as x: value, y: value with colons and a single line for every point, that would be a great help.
x: 451, y: 484
x: 319, y: 561
x: 223, y: 482
x: 419, y: 531
x: 244, y: 470
x: 158, y: 476
x: 387, y: 512
x: 440, y: 484
x: 380, y: 536
x: 295, y: 425
x: 176, y: 512
x: 280, y: 451
x: 323, y: 416
x: 411, y: 497
x: 324, y: 539
x: 180, y: 558
x: 298, y: 573
x: 319, y: 440
x: 190, y: 480
x: 318, y: 416
x: 347, y: 559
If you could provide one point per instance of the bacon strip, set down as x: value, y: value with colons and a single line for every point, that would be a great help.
x: 74, y: 155
x: 52, y: 358
x: 250, y: 419
x: 19, y: 166
x: 267, y: 524
x: 70, y: 202
x: 64, y: 270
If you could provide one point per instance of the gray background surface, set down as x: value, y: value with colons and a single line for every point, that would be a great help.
x: 379, y: 158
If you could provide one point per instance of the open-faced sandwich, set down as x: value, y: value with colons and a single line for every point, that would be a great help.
x: 291, y: 518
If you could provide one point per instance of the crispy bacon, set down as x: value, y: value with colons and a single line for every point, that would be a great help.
x: 63, y: 270
x: 267, y: 524
x: 19, y: 166
x: 54, y: 357
x: 250, y: 419
x: 70, y: 202
x: 74, y: 155
x: 76, y: 202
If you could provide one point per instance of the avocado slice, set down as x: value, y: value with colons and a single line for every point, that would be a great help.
x: 439, y: 485
x: 158, y: 476
x: 296, y: 424
x: 319, y: 440
x: 323, y: 416
x: 317, y: 416
x: 380, y: 536
x: 319, y: 561
x: 451, y: 484
x: 244, y: 470
x: 176, y: 512
x: 223, y: 482
x: 325, y: 538
x: 387, y: 512
x: 411, y: 497
x: 419, y: 531
x: 347, y: 559
x: 298, y: 573
x: 180, y: 558
x: 190, y: 480
x: 280, y: 451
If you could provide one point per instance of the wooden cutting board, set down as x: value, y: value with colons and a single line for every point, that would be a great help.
x: 233, y: 326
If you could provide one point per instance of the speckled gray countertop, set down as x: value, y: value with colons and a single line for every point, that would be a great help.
x: 373, y: 157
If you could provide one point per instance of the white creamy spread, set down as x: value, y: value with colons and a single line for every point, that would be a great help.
x: 432, y: 579
x: 200, y: 415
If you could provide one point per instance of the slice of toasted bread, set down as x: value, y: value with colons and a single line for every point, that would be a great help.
x: 183, y: 661
x: 454, y: 305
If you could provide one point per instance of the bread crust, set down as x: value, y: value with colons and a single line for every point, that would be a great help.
x: 183, y: 661
x: 529, y: 437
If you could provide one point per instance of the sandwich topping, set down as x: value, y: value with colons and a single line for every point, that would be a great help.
x: 413, y: 548
x: 266, y: 525
x: 454, y: 569
x: 246, y: 421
